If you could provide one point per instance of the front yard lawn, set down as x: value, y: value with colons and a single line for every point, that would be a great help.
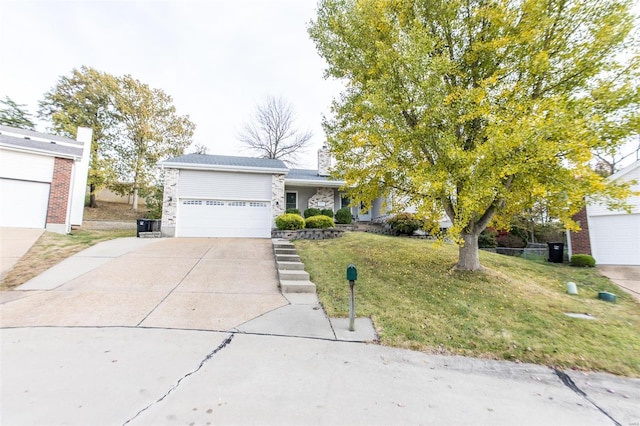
x: 514, y: 310
x: 52, y: 248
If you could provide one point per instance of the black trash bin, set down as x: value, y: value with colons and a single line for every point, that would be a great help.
x: 148, y: 225
x: 144, y: 225
x: 556, y: 252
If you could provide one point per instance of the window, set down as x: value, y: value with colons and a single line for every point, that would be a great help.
x: 192, y: 202
x: 237, y: 204
x: 254, y: 204
x: 344, y: 203
x: 215, y: 203
x: 292, y: 200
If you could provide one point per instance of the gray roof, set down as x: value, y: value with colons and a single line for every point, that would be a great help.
x: 37, y: 135
x: 305, y: 174
x: 52, y: 147
x: 229, y: 161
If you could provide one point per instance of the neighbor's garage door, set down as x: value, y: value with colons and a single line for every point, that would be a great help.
x: 615, y: 239
x: 223, y: 204
x: 224, y: 218
x: 23, y: 204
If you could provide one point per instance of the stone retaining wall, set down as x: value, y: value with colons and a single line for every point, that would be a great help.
x: 308, y: 234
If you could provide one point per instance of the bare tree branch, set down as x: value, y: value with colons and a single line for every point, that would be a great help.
x: 271, y: 132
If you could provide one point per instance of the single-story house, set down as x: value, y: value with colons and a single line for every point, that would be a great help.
x: 612, y: 237
x: 223, y: 196
x: 42, y: 179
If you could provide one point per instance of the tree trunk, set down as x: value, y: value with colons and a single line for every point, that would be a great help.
x: 468, y: 259
x: 134, y: 204
x: 92, y: 196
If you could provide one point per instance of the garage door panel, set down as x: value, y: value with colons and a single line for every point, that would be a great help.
x: 23, y: 204
x: 615, y: 240
x: 223, y: 218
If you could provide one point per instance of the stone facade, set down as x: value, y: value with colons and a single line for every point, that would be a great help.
x: 278, y: 203
x: 324, y: 161
x: 170, y: 202
x: 308, y: 234
x: 323, y: 199
x: 580, y: 241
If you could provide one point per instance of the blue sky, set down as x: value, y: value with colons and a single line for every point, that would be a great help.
x: 217, y: 59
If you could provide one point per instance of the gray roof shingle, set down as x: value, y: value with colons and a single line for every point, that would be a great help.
x: 224, y: 160
x: 51, y: 147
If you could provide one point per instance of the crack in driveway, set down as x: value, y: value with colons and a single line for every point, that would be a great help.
x: 568, y: 382
x: 210, y: 355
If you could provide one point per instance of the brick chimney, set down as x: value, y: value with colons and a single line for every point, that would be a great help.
x: 324, y: 161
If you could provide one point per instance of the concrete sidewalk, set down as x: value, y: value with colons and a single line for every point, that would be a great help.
x: 135, y: 376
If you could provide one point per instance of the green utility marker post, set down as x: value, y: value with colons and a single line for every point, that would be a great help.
x: 352, y: 276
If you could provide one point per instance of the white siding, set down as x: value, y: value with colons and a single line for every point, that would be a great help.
x: 24, y: 166
x: 634, y: 201
x: 615, y: 234
x: 224, y: 185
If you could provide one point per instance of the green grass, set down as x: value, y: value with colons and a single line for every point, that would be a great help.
x: 514, y: 310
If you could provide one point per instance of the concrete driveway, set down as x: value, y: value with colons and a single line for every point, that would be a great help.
x: 626, y: 277
x: 201, y: 284
x: 14, y: 243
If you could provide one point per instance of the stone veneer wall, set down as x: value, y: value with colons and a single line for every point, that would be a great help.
x: 278, y: 203
x: 323, y: 199
x: 324, y: 161
x: 170, y: 202
x: 308, y: 234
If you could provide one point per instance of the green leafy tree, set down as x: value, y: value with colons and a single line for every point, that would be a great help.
x: 85, y: 99
x: 478, y: 108
x: 150, y: 130
x: 15, y: 115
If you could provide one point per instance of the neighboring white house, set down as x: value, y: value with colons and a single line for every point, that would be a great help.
x: 42, y: 179
x: 612, y: 237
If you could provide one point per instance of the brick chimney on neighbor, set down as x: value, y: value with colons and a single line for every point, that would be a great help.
x: 324, y: 161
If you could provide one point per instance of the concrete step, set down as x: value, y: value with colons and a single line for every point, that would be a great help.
x: 293, y: 275
x: 287, y: 258
x: 288, y: 286
x: 283, y: 244
x: 285, y: 251
x: 298, y: 266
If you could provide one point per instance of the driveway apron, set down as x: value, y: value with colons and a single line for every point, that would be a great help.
x: 196, y: 283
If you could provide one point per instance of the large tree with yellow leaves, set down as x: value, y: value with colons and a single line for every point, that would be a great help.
x: 478, y: 108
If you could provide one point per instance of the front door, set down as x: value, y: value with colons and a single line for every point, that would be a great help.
x: 364, y: 216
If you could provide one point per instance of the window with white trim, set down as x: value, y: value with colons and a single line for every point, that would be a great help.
x: 291, y: 200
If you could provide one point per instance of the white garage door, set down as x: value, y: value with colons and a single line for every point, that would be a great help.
x: 23, y: 204
x: 615, y: 239
x: 223, y: 218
